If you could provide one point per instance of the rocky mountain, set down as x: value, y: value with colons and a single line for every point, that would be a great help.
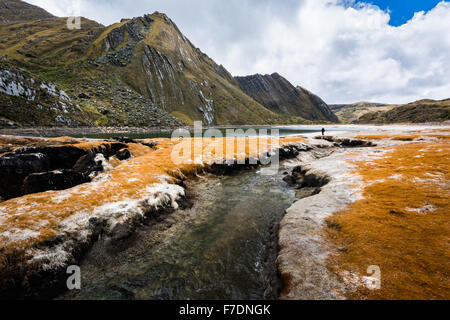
x: 279, y: 95
x: 416, y: 112
x: 350, y: 113
x: 138, y: 72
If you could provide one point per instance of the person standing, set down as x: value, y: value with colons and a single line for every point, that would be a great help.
x: 323, y: 132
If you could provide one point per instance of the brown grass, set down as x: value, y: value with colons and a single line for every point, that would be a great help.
x: 401, y: 137
x: 410, y: 247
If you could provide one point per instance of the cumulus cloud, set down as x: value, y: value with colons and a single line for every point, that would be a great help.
x: 343, y: 50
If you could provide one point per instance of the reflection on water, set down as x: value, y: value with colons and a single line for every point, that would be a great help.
x: 216, y: 250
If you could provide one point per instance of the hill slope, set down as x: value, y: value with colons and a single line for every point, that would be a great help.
x: 15, y: 10
x: 279, y: 95
x: 348, y: 113
x: 416, y: 112
x: 139, y: 72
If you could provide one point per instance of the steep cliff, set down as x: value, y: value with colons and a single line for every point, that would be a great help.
x: 279, y: 95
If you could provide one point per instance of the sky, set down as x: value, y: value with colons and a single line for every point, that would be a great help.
x: 345, y: 51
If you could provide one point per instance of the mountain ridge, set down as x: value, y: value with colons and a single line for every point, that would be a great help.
x: 138, y: 72
x: 279, y: 95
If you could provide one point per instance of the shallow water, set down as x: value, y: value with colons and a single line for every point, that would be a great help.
x: 215, y: 250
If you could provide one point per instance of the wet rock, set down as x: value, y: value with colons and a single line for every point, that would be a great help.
x: 123, y: 154
x: 53, y: 180
x: 307, y: 192
x: 87, y: 164
x: 65, y: 157
x: 304, y: 177
x: 291, y: 151
x: 347, y: 142
x: 314, y: 180
x: 15, y: 167
x: 290, y: 180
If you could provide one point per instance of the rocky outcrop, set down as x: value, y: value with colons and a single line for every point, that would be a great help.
x: 304, y: 177
x: 37, y: 169
x: 279, y: 95
x: 347, y: 142
x: 29, y: 100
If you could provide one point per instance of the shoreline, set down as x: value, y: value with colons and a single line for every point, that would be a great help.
x: 79, y: 131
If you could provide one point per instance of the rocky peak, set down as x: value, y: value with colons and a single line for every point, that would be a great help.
x: 279, y: 95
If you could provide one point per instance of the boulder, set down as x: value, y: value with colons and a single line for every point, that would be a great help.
x: 87, y: 164
x: 123, y: 154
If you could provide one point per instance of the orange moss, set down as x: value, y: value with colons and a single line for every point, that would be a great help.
x: 401, y: 225
x: 404, y: 137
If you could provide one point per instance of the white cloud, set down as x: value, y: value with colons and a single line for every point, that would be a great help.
x: 343, y: 53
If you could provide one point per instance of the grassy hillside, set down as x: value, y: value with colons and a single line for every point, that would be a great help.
x: 138, y: 72
x: 350, y: 113
x: 416, y: 112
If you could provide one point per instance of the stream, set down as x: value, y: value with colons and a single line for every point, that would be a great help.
x: 221, y: 248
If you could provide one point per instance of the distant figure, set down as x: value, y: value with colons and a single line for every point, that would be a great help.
x: 323, y: 132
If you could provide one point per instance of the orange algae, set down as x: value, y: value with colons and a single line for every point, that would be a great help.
x: 401, y: 225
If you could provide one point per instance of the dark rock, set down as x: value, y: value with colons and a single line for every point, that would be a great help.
x: 347, y: 142
x: 15, y: 167
x: 290, y: 180
x: 53, y: 180
x: 123, y: 154
x: 65, y: 157
x: 306, y: 192
x: 305, y: 178
x: 87, y: 164
x: 83, y: 96
x: 314, y: 180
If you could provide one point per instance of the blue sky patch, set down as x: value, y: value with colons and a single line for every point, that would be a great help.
x: 403, y: 10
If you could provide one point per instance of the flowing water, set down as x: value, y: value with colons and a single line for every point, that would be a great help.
x: 218, y: 249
